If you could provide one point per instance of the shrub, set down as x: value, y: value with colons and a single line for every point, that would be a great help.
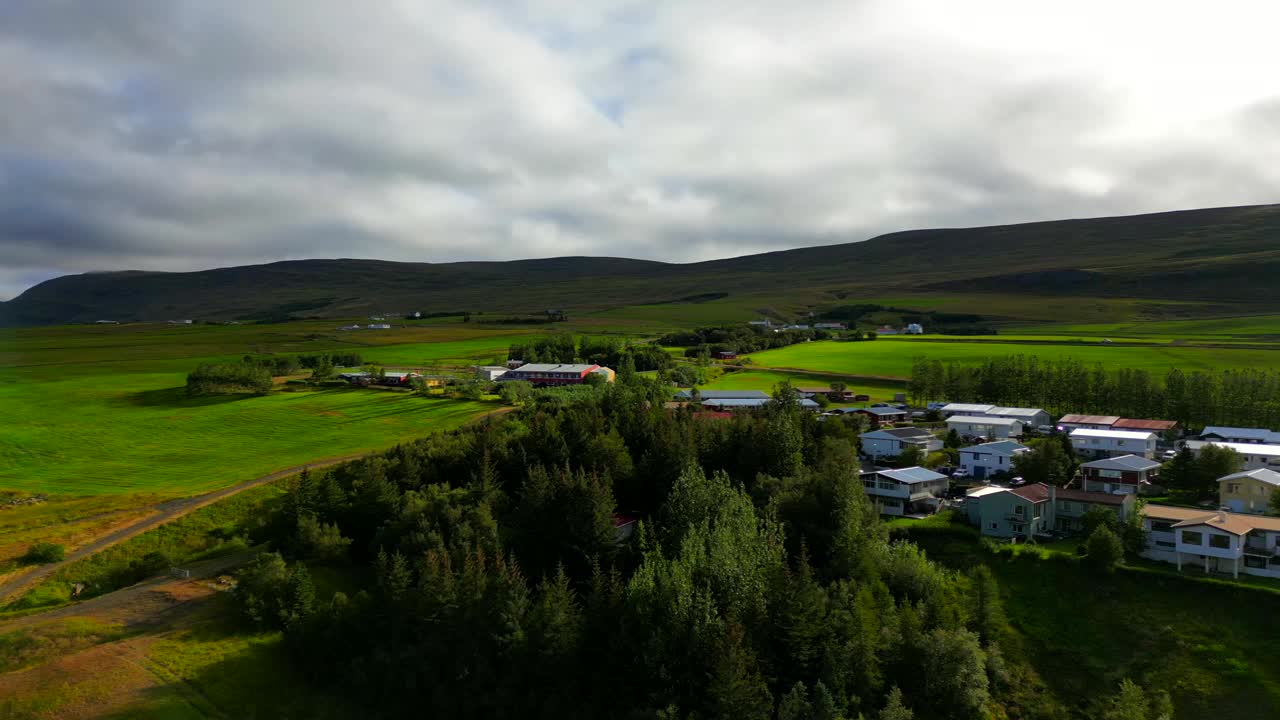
x: 1103, y: 550
x: 42, y: 553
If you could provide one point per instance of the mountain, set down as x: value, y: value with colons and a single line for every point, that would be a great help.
x: 1204, y: 260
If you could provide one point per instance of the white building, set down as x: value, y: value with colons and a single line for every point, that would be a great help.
x: 490, y: 373
x: 890, y: 442
x: 964, y: 409
x: 1029, y: 417
x: 1255, y: 457
x: 1113, y: 443
x: 1215, y: 433
x: 982, y: 426
x: 915, y: 329
x: 1218, y: 541
x: 907, y: 491
x: 983, y: 461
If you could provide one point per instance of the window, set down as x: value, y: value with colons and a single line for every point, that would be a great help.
x: 1165, y: 544
x: 1233, y: 488
x: 1018, y: 510
x: 1222, y: 542
x: 1161, y: 526
x: 995, y: 526
x: 1191, y: 538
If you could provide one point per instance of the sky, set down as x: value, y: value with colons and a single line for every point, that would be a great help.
x: 175, y: 135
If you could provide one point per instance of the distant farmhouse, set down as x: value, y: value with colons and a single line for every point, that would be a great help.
x: 550, y: 374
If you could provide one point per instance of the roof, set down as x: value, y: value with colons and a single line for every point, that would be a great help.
x: 912, y: 475
x: 966, y: 408
x: 1035, y: 492
x: 981, y: 420
x: 879, y: 411
x: 1270, y: 477
x: 1089, y: 497
x: 984, y: 490
x: 1000, y: 447
x: 553, y: 367
x: 1107, y: 420
x: 1016, y: 412
x: 1189, y: 517
x: 1222, y: 520
x: 1258, y: 434
x: 1124, y: 462
x: 622, y: 520
x: 751, y: 402
x: 907, y: 433
x: 1242, y: 448
x: 1113, y: 434
x: 1152, y: 425
x: 726, y: 394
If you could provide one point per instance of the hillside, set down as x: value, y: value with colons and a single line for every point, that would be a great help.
x: 1212, y: 261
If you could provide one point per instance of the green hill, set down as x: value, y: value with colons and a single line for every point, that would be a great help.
x: 1195, y: 263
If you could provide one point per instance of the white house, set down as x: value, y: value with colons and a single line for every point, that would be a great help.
x: 1029, y: 417
x: 982, y: 426
x: 1066, y: 423
x: 1215, y: 433
x: 906, y: 491
x: 1218, y: 541
x: 1255, y: 457
x: 964, y: 409
x: 490, y: 373
x: 1112, y: 443
x: 983, y: 461
x: 890, y: 442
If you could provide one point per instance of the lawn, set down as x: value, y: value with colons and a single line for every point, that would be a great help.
x: 766, y: 380
x: 892, y: 357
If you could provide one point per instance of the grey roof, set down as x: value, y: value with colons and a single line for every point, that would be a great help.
x: 981, y: 420
x: 907, y: 433
x: 1231, y: 433
x: 553, y: 367
x: 725, y: 394
x: 1270, y: 477
x: 999, y: 447
x: 966, y: 408
x: 1124, y: 462
x: 882, y: 411
x: 1016, y: 412
x: 912, y: 475
x: 751, y: 402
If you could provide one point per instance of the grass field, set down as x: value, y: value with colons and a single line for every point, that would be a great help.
x: 767, y: 380
x: 892, y: 357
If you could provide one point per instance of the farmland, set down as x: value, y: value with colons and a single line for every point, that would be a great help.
x: 891, y: 357
x: 767, y: 380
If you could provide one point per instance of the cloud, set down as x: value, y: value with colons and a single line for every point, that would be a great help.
x: 179, y: 135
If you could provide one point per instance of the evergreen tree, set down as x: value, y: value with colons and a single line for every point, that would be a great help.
x: 795, y: 704
x: 824, y: 706
x: 736, y: 690
x: 895, y: 708
x: 988, y: 615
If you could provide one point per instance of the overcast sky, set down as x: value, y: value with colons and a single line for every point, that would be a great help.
x: 160, y: 134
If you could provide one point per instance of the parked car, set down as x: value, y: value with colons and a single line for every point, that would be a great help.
x: 1046, y: 429
x: 1170, y: 454
x: 960, y: 473
x: 1017, y: 481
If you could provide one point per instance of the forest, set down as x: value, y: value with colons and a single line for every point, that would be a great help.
x: 1197, y: 398
x: 737, y: 339
x: 489, y: 579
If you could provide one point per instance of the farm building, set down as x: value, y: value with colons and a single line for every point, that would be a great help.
x: 1113, y: 443
x: 915, y: 329
x: 830, y: 326
x: 964, y: 409
x: 892, y: 441
x: 723, y: 395
x: 1254, y: 456
x: 832, y: 395
x: 982, y: 426
x: 726, y: 355
x: 1067, y: 423
x: 1123, y: 474
x: 550, y: 373
x: 983, y: 461
x: 490, y: 372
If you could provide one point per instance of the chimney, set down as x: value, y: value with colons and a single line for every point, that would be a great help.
x: 1222, y: 516
x: 1053, y: 493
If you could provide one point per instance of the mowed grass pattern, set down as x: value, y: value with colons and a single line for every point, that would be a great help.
x: 893, y: 358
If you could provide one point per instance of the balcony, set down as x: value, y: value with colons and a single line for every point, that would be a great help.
x: 1261, y: 549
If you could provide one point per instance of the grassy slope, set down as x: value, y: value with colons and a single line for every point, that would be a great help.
x: 890, y: 357
x: 766, y: 380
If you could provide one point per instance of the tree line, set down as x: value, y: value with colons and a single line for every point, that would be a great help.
x: 1195, y: 399
x: 736, y: 339
x: 759, y: 581
x: 607, y: 351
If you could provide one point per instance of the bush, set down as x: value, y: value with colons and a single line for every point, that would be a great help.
x: 42, y: 553
x: 211, y: 378
x: 1103, y: 550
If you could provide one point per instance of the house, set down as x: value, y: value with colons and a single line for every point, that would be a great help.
x: 1122, y: 474
x: 623, y: 528
x: 1248, y: 491
x: 886, y: 330
x: 964, y: 409
x: 1240, y: 435
x: 392, y: 378
x: 1029, y: 417
x: 891, y: 442
x: 724, y: 395
x: 378, y: 326
x: 973, y: 501
x: 915, y: 329
x: 513, y: 364
x: 548, y: 374
x: 904, y: 492
x: 489, y: 373
x: 1110, y: 443
x: 1220, y: 541
x: 882, y: 415
x: 1253, y: 456
x: 1156, y: 426
x: 726, y: 355
x: 1067, y: 423
x: 983, y: 461
x: 1038, y: 509
x: 982, y: 426
x: 760, y: 323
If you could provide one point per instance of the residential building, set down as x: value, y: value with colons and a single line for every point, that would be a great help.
x: 1253, y: 455
x: 964, y: 409
x: 1038, y: 509
x: 1111, y: 443
x: 1220, y: 541
x: 760, y: 323
x: 1122, y: 474
x: 724, y: 395
x: 973, y: 501
x: 1257, y: 436
x: 550, y: 373
x: 1029, y: 417
x: 832, y: 395
x: 886, y: 330
x: 490, y: 373
x: 1249, y: 491
x: 1159, y: 427
x: 1067, y: 423
x: 891, y: 442
x: 983, y: 461
x: 915, y: 329
x: 904, y: 492
x: 883, y: 415
x: 983, y: 426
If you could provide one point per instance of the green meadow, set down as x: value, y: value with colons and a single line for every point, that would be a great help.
x: 767, y: 380
x: 892, y: 357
